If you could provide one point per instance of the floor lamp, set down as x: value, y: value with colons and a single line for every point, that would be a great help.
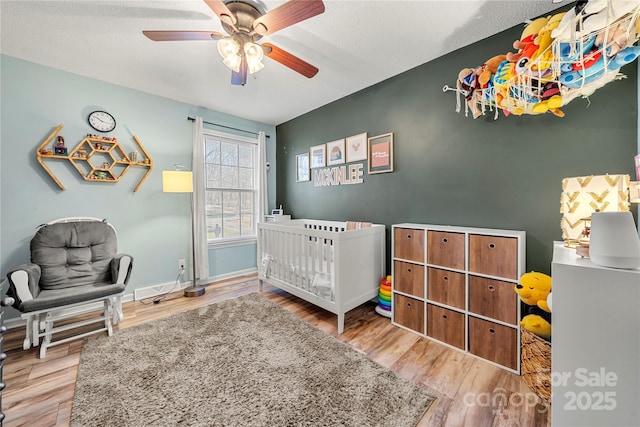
x: 182, y: 182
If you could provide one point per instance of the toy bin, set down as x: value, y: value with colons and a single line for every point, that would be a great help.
x: 536, y: 364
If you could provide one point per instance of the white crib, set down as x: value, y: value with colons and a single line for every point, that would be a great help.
x: 322, y: 262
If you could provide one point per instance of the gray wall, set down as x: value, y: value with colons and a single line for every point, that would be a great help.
x: 451, y: 169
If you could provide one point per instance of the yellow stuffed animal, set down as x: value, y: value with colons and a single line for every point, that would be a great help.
x: 534, y: 288
x: 537, y: 325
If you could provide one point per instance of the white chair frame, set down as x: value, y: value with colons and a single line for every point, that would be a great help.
x: 40, y: 324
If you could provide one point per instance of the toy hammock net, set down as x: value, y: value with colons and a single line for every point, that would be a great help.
x: 560, y: 57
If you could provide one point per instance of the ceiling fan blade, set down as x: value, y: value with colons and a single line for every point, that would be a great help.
x: 165, y: 36
x: 289, y: 60
x: 223, y: 12
x: 287, y: 14
x: 240, y: 78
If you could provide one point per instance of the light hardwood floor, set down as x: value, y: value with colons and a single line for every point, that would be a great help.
x: 469, y: 392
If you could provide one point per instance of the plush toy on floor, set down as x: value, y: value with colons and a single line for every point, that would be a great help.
x: 534, y: 289
x: 384, y: 297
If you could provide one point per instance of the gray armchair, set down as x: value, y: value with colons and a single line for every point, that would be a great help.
x: 75, y: 269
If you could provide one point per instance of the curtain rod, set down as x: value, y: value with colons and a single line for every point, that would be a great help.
x: 228, y: 127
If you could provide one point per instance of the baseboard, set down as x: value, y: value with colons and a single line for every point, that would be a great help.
x: 143, y: 293
x: 155, y: 290
x: 16, y: 322
x: 227, y: 276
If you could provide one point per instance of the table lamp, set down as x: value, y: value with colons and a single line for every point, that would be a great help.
x: 583, y: 195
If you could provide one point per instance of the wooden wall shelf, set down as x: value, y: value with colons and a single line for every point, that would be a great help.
x: 96, y: 158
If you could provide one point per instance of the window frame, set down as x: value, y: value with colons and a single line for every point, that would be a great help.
x: 254, y: 143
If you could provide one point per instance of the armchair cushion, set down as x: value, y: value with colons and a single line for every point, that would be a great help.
x: 74, y: 254
x: 60, y: 297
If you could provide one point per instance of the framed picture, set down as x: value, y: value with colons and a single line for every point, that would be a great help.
x: 356, y: 147
x: 335, y: 152
x: 318, y: 156
x: 302, y: 167
x: 380, y: 150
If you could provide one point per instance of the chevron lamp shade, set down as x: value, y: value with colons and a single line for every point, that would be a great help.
x: 583, y: 195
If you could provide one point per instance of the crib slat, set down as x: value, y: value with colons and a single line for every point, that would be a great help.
x: 303, y: 267
x: 300, y: 239
x: 289, y: 255
x: 278, y: 255
x: 305, y: 259
x: 313, y: 250
x: 285, y: 256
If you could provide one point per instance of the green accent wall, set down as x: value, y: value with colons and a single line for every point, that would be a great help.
x: 451, y: 169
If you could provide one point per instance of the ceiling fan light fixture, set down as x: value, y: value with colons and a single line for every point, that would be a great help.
x: 253, y: 52
x: 233, y: 62
x: 254, y: 55
x: 228, y: 47
x: 254, y: 67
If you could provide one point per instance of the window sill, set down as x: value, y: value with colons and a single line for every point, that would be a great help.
x: 230, y: 243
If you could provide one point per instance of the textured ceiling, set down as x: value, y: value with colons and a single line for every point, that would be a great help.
x: 355, y: 44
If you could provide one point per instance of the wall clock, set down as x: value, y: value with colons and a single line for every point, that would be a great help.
x: 102, y: 121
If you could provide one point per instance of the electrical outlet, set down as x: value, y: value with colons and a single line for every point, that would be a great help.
x: 182, y: 265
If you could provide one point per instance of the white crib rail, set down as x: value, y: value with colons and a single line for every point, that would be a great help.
x: 297, y: 256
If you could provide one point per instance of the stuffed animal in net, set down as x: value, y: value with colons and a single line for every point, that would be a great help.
x: 467, y: 83
x: 537, y: 325
x: 534, y: 289
x: 486, y: 71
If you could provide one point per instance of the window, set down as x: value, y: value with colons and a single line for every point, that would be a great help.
x: 231, y: 180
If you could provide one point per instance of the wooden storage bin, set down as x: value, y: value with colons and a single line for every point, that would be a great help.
x: 446, y: 287
x: 445, y: 249
x: 493, y: 298
x: 494, y: 342
x: 409, y: 278
x: 409, y: 244
x: 493, y: 256
x: 408, y: 312
x: 445, y: 325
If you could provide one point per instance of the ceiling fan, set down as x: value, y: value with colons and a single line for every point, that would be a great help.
x: 245, y: 25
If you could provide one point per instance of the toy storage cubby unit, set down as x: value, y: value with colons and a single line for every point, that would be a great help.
x: 96, y: 158
x: 455, y: 285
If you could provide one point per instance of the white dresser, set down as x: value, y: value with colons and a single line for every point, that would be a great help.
x: 595, y: 357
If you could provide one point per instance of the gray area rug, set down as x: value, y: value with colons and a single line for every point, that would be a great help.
x: 242, y: 362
